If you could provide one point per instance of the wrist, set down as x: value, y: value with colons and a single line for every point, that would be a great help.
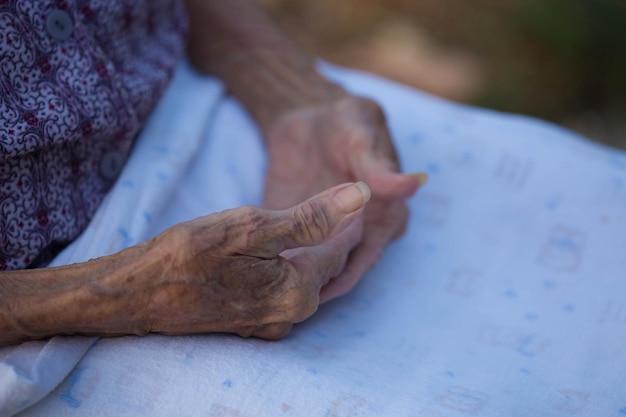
x: 98, y: 297
x: 259, y: 64
x: 270, y: 85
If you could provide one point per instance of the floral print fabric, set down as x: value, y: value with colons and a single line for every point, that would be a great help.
x: 77, y: 81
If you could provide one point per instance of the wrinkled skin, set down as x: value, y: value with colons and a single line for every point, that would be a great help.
x: 255, y: 272
x: 249, y: 271
x: 311, y: 149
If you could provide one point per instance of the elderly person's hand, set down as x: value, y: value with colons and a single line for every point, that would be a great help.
x: 219, y: 273
x: 317, y: 135
x: 231, y: 262
x: 313, y: 148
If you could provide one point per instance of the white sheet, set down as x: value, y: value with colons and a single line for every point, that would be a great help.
x: 505, y: 297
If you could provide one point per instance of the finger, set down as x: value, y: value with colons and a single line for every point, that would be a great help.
x: 310, y: 223
x: 378, y: 167
x: 318, y: 264
x: 362, y: 258
x: 366, y: 254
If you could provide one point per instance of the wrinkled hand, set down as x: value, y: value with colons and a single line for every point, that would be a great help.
x: 224, y: 272
x: 345, y: 140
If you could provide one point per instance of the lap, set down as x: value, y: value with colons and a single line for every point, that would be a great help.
x: 503, y: 298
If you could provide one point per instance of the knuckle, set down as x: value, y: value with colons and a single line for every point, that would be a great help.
x: 275, y: 331
x: 311, y: 221
x: 307, y: 306
x: 371, y: 108
x: 285, y: 295
x: 299, y: 304
x: 250, y: 216
x: 369, y: 115
x: 333, y: 260
x: 177, y: 242
x: 246, y: 226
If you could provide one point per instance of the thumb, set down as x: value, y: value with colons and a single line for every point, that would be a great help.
x: 325, y: 215
x: 309, y: 223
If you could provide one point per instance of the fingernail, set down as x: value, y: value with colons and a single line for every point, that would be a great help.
x: 353, y: 197
x: 422, y: 178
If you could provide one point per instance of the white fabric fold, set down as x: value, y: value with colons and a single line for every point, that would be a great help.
x: 30, y: 371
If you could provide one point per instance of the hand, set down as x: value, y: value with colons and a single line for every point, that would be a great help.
x: 224, y: 272
x: 347, y: 139
x: 248, y: 271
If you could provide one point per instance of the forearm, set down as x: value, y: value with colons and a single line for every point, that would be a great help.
x: 235, y: 41
x: 91, y: 298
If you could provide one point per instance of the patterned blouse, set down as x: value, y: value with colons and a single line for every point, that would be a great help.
x: 78, y: 78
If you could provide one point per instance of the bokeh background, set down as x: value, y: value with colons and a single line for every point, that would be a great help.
x: 560, y: 60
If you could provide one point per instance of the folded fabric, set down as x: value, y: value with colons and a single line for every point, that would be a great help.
x: 504, y: 298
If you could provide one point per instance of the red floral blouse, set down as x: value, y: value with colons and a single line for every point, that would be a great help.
x: 78, y: 78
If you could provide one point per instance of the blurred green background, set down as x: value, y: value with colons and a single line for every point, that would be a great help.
x: 560, y: 60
